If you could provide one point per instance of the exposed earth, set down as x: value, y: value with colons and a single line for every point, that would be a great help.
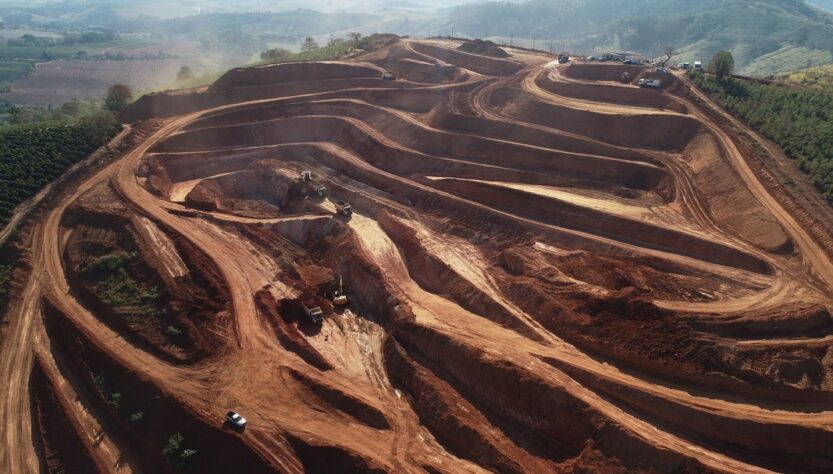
x: 547, y: 270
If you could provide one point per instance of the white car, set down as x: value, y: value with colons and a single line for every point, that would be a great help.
x: 235, y: 420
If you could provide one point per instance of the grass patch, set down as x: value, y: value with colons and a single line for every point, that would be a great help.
x: 10, y: 71
x: 787, y: 58
x: 64, y: 51
x: 820, y: 78
x: 115, y: 287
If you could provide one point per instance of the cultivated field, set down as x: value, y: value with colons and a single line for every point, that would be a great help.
x: 56, y: 82
x: 547, y: 270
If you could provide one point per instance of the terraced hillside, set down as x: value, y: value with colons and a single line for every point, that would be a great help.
x: 547, y: 270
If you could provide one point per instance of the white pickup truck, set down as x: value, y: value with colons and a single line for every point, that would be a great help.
x: 235, y: 420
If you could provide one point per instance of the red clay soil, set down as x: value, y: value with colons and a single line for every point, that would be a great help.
x: 62, y: 450
x: 485, y: 48
x: 546, y: 271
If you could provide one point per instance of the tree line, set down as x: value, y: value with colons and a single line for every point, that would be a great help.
x: 35, y: 153
x: 798, y: 119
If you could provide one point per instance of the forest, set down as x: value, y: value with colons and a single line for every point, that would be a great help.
x: 32, y: 155
x: 798, y: 119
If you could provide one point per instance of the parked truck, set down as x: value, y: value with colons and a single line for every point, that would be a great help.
x: 314, y: 313
x: 649, y: 83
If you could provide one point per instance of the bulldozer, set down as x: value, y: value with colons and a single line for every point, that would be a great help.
x: 339, y: 297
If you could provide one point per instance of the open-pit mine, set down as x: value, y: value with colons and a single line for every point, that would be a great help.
x: 424, y: 259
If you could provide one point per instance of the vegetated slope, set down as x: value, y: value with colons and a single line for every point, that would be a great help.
x: 33, y: 155
x: 820, y: 78
x: 767, y: 36
x: 798, y: 119
x: 538, y: 279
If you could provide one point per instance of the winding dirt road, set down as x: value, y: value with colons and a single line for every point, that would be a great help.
x: 538, y: 281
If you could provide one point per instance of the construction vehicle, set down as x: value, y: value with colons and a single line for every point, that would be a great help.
x: 314, y: 313
x: 388, y: 76
x: 626, y: 78
x: 306, y: 176
x: 343, y: 208
x: 698, y: 65
x: 339, y: 297
x: 563, y: 58
x: 320, y: 190
x: 649, y: 83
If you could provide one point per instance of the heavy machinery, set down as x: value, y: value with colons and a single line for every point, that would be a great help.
x: 563, y: 58
x: 626, y: 78
x: 343, y: 208
x: 339, y: 297
x: 314, y: 313
x: 649, y: 84
x: 388, y: 76
x: 320, y: 190
x: 306, y: 176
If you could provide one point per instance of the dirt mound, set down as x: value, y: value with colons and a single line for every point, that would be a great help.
x: 484, y: 48
x: 479, y: 64
x: 291, y: 72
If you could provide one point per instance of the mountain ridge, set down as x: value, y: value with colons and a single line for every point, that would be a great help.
x: 766, y: 36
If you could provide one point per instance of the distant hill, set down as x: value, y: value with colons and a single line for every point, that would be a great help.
x: 765, y: 36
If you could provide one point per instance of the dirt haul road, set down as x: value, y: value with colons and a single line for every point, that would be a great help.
x: 546, y: 271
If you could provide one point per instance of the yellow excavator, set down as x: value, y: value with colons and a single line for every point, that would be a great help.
x: 339, y: 297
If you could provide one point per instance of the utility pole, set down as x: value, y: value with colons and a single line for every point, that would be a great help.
x: 533, y: 42
x: 550, y: 46
x: 511, y: 40
x: 452, y: 30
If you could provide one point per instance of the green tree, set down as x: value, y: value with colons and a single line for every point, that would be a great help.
x: 99, y: 128
x: 70, y: 109
x: 178, y: 456
x: 722, y: 64
x: 184, y: 74
x: 117, y: 98
x: 275, y: 54
x: 355, y: 39
x: 309, y: 44
x: 669, y: 52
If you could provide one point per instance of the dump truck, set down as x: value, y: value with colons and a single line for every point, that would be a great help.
x: 649, y: 83
x: 314, y: 313
x: 343, y: 208
x: 388, y: 76
x: 339, y: 297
